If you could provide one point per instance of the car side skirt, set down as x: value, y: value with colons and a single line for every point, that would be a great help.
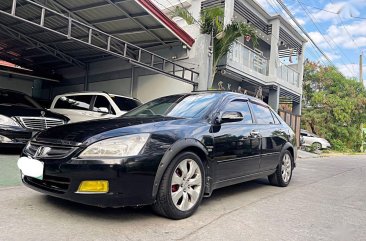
x: 236, y: 180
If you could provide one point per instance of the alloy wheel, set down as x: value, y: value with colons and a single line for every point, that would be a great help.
x: 186, y: 185
x: 286, y: 168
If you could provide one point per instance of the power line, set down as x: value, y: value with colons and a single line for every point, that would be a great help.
x: 326, y: 10
x: 314, y: 53
x: 316, y: 26
x: 303, y: 30
x: 344, y: 26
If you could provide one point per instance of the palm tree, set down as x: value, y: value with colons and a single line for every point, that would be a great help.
x: 212, y: 23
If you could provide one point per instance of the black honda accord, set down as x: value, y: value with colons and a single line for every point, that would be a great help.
x: 168, y: 153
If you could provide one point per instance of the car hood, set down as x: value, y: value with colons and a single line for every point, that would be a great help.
x: 91, y: 131
x: 11, y: 111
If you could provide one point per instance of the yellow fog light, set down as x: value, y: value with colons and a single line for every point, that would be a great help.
x: 96, y: 186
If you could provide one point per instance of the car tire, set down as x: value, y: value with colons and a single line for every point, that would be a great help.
x: 316, y: 146
x: 181, y: 188
x: 283, y: 174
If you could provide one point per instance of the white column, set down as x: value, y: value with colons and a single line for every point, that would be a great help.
x: 274, y: 98
x: 300, y: 65
x: 229, y: 11
x: 296, y: 107
x: 274, y: 48
x: 200, y: 52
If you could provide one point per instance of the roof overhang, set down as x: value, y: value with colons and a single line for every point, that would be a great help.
x: 49, y: 35
x: 152, y: 9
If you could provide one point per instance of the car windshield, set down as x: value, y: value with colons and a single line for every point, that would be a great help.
x: 125, y: 104
x: 10, y: 98
x: 185, y: 106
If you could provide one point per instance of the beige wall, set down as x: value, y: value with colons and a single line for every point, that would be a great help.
x: 117, y: 86
x: 69, y: 88
x: 153, y: 86
x: 146, y: 88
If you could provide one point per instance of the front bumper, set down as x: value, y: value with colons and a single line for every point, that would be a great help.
x: 130, y: 181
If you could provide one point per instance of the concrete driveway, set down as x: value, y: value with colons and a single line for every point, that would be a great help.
x: 325, y: 201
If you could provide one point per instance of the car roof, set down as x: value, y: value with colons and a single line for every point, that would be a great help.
x: 233, y: 94
x: 96, y: 93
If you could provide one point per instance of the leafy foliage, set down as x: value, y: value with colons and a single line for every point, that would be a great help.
x: 212, y: 23
x: 334, y: 106
x: 183, y: 13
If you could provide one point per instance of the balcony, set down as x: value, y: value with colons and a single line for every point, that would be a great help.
x: 288, y: 75
x: 242, y: 57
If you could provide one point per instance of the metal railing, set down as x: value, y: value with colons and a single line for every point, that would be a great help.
x: 243, y: 55
x: 95, y: 38
x: 288, y: 74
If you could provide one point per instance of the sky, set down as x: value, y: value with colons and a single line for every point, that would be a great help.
x: 338, y: 27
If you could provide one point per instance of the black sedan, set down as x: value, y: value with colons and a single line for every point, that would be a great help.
x: 21, y: 117
x: 168, y: 153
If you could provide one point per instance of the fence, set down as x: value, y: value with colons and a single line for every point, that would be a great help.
x: 294, y: 121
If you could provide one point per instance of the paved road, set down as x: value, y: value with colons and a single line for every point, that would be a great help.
x: 325, y: 201
x: 9, y: 172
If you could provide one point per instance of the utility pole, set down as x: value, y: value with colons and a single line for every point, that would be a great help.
x: 361, y: 81
x: 360, y: 62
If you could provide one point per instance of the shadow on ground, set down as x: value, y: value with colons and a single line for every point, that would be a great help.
x: 11, y: 151
x: 129, y: 213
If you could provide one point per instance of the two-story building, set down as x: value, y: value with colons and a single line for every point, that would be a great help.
x: 271, y: 70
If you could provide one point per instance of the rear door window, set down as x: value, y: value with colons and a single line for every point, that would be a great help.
x: 275, y: 118
x: 77, y: 102
x: 262, y: 114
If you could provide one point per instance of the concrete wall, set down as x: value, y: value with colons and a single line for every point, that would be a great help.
x: 65, y: 89
x: 116, y: 86
x: 154, y: 86
x: 22, y: 85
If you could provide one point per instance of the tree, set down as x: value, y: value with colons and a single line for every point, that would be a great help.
x: 212, y: 23
x: 333, y: 106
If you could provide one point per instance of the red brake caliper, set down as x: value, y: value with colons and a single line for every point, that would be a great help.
x: 175, y: 187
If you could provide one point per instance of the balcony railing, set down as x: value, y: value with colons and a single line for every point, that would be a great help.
x: 288, y: 74
x: 243, y: 55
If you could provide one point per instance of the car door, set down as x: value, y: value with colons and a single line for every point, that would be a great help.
x: 271, y: 135
x: 236, y: 150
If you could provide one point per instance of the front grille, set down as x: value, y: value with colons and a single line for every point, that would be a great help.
x: 39, y: 150
x: 50, y: 183
x: 39, y: 123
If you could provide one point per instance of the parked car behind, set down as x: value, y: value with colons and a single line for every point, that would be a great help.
x: 21, y: 117
x: 167, y: 153
x: 310, y: 139
x: 85, y: 106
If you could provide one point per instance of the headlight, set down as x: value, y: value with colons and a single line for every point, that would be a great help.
x: 6, y: 121
x: 123, y: 146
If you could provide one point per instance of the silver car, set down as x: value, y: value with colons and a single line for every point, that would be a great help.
x: 310, y: 139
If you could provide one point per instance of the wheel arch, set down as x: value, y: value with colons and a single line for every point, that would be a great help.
x: 289, y: 147
x: 180, y: 146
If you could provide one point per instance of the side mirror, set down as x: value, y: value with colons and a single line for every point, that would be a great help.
x: 103, y: 110
x: 231, y: 116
